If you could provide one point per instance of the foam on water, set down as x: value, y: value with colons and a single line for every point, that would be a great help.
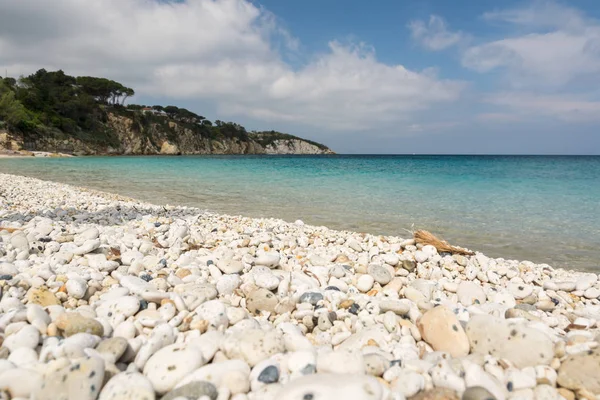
x: 540, y: 208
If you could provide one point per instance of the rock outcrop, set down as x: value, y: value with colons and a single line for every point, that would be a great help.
x: 126, y: 136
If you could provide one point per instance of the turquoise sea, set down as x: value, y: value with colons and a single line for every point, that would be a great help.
x: 538, y: 208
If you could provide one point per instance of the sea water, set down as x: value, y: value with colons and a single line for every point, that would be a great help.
x: 545, y: 209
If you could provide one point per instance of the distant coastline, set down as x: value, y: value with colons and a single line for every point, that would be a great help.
x: 51, y: 112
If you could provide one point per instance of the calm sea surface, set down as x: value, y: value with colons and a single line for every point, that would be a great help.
x: 538, y: 208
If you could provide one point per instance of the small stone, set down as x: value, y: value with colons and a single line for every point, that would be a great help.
x: 436, y: 394
x: 113, y: 348
x: 87, y: 247
x: 341, y: 362
x: 522, y: 345
x: 128, y: 386
x: 121, y: 307
x: 332, y: 386
x: 230, y: 266
x: 266, y: 280
x: 72, y: 323
x: 592, y: 293
x: 269, y: 374
x: 19, y: 241
x: 477, y: 393
x: 28, y: 336
x: 80, y: 380
x: 214, y: 312
x: 253, y: 345
x: 409, y: 265
x: 441, y: 329
x: 398, y: 307
x: 311, y: 297
x: 566, y: 393
x: 470, y: 293
x: 42, y: 296
x: 183, y: 272
x: 364, y: 283
x: 193, y: 390
x: 519, y: 290
x: 169, y: 365
x: 580, y: 371
x: 268, y: 259
x: 261, y: 300
x: 345, y: 304
x: 18, y: 382
x: 518, y: 313
x: 376, y: 364
x: 380, y: 274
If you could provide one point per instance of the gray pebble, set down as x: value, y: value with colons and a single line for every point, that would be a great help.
x: 193, y: 390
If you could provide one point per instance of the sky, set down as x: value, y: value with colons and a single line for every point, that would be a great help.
x: 391, y: 77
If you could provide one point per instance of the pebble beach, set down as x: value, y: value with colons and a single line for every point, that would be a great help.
x: 105, y: 297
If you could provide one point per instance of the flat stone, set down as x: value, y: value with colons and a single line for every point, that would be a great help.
x: 470, y: 293
x: 28, y: 337
x: 42, y: 296
x: 436, y: 394
x: 87, y: 247
x: 169, y: 365
x: 341, y: 362
x: 519, y: 313
x: 311, y: 297
x: 128, y: 386
x: 332, y: 386
x: 477, y: 393
x: 71, y: 323
x: 125, y: 306
x: 81, y: 380
x: 268, y: 259
x: 214, y: 312
x: 230, y: 266
x: 227, y: 284
x: 441, y: 329
x: 261, y: 300
x: 398, y: 307
x: 253, y: 345
x: 113, y: 348
x: 580, y: 371
x: 409, y: 265
x: 519, y: 290
x: 217, y: 373
x: 364, y: 283
x: 193, y: 391
x: 19, y: 241
x: 266, y: 280
x: 19, y: 382
x: 379, y: 273
x: 269, y: 375
x: 522, y: 345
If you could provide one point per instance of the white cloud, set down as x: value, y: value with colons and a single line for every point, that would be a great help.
x: 539, y: 14
x: 559, y: 47
x: 434, y: 34
x: 563, y: 107
x: 225, y: 51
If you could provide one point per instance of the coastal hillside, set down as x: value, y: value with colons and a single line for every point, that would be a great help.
x: 55, y: 112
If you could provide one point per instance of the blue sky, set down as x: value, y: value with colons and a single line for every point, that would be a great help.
x: 389, y: 76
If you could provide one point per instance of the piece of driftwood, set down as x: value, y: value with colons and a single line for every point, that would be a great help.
x: 424, y: 238
x: 9, y: 230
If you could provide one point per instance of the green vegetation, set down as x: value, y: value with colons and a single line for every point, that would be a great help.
x: 266, y: 138
x: 54, y: 104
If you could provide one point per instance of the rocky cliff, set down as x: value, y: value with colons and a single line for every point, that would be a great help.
x: 136, y: 134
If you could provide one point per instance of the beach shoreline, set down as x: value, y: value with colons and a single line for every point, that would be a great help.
x: 259, y: 308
